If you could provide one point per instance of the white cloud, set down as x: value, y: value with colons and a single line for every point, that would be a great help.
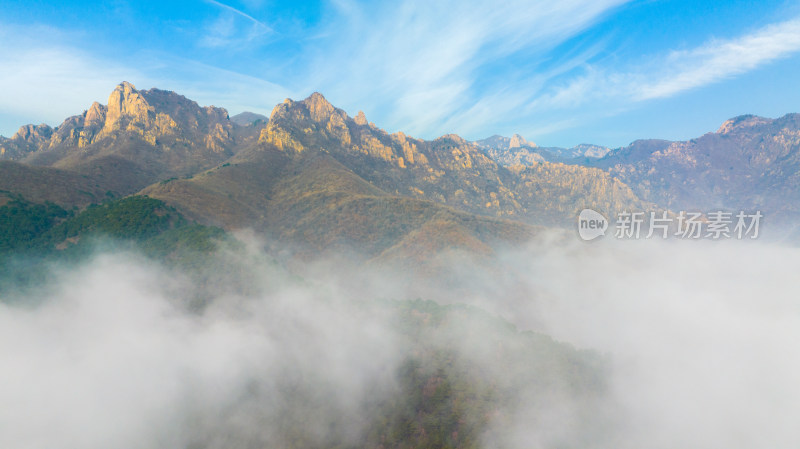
x: 239, y: 13
x: 718, y: 60
x: 707, y: 361
x: 233, y: 28
x: 699, y: 340
x: 419, y: 63
x: 112, y: 358
x: 678, y: 71
x: 52, y: 83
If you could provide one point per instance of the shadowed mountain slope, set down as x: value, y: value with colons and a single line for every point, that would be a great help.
x: 749, y: 163
x: 43, y: 184
x: 313, y: 201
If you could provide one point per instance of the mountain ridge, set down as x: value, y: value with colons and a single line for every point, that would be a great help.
x: 750, y: 163
x: 139, y: 137
x: 449, y: 169
x: 309, y: 155
x: 515, y: 150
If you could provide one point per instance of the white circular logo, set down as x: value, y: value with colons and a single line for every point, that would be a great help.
x: 591, y: 224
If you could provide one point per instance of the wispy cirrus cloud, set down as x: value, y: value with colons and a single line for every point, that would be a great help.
x: 721, y: 59
x: 240, y: 13
x: 600, y: 91
x: 233, y: 27
x: 663, y: 76
x: 420, y: 64
x: 47, y: 83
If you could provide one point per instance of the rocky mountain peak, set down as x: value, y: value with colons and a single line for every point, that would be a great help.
x: 590, y: 150
x: 34, y: 133
x: 95, y: 115
x: 455, y: 138
x: 518, y: 141
x: 361, y: 119
x: 280, y: 110
x: 248, y: 118
x: 125, y: 100
x: 742, y: 122
x: 318, y: 107
x: 497, y: 142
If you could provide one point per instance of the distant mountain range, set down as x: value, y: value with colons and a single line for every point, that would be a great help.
x: 312, y: 175
x: 515, y: 150
x: 749, y: 162
x: 249, y: 119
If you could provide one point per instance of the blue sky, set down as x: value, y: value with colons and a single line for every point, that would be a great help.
x: 558, y: 72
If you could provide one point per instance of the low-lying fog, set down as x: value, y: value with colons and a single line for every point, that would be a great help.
x: 703, y: 341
